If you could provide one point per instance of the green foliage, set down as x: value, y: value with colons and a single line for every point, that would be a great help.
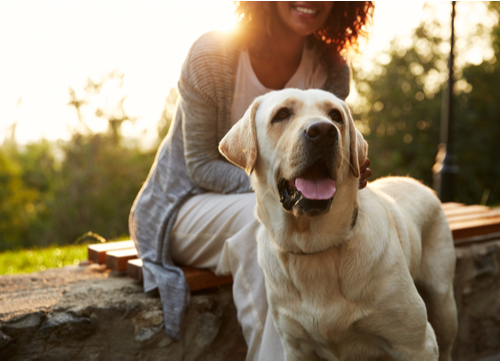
x: 97, y: 184
x: 400, y: 115
x: 401, y: 121
x: 27, y: 181
x: 44, y: 202
x: 101, y: 173
x: 477, y: 130
x: 34, y: 260
x: 90, y: 187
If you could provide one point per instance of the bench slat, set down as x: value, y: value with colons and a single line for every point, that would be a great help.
x: 451, y: 205
x: 475, y: 227
x: 490, y: 213
x: 477, y: 239
x: 460, y: 211
x: 134, y: 269
x: 198, y: 279
x: 117, y: 260
x: 97, y: 252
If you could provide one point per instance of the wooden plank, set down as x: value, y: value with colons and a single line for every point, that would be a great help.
x: 451, y: 205
x: 460, y: 211
x: 117, y: 260
x: 475, y: 227
x: 489, y: 213
x: 97, y: 252
x: 134, y: 269
x: 198, y: 279
x: 477, y: 239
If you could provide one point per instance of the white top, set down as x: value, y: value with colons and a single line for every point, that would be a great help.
x: 309, y: 75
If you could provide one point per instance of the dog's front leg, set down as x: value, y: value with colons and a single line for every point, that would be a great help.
x: 297, y: 350
x: 296, y: 341
x: 427, y: 351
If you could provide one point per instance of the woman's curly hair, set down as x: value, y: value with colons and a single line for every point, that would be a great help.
x: 345, y: 24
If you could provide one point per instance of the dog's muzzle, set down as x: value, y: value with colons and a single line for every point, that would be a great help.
x: 313, y: 188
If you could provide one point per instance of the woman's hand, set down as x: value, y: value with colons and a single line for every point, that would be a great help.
x: 365, y: 173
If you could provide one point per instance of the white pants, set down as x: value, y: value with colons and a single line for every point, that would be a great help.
x: 217, y: 232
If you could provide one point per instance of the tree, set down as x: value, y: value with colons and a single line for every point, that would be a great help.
x: 27, y: 180
x: 399, y: 112
x: 399, y: 109
x: 99, y: 176
x: 97, y: 184
x: 114, y: 114
x: 90, y: 187
x: 478, y: 119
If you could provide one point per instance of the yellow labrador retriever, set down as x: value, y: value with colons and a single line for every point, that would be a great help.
x: 350, y: 275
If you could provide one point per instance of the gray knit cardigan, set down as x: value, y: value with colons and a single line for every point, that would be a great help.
x: 188, y: 163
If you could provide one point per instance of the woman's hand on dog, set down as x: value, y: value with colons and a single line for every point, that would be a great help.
x: 365, y: 173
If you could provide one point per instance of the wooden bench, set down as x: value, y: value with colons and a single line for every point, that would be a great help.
x: 468, y: 224
x: 122, y: 256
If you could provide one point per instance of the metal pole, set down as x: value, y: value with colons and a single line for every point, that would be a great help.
x: 445, y: 170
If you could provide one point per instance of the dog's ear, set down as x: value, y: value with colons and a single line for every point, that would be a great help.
x: 358, y: 147
x: 239, y: 145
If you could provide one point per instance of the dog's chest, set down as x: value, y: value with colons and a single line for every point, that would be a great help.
x: 311, y: 294
x: 314, y: 300
x: 318, y: 315
x: 321, y: 308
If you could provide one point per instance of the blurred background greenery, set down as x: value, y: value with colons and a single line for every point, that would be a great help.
x: 53, y: 192
x: 401, y: 103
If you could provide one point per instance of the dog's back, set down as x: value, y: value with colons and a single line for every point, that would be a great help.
x: 420, y: 220
x: 413, y: 198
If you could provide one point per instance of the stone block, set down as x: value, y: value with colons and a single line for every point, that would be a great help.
x: 83, y: 313
x: 477, y: 292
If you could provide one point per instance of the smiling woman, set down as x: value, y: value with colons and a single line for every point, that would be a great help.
x: 197, y: 209
x: 341, y: 27
x: 331, y: 29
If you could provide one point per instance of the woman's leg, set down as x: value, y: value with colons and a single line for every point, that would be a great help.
x: 203, y: 225
x: 217, y: 232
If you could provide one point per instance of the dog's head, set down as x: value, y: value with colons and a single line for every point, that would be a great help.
x: 303, y: 144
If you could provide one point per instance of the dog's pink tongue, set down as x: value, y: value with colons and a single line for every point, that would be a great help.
x: 316, y: 185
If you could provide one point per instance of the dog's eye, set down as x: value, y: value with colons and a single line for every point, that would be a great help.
x: 335, y: 116
x: 282, y: 114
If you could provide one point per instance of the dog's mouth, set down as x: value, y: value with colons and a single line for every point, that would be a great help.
x: 312, y: 190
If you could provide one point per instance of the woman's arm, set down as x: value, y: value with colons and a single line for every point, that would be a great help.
x: 204, y: 163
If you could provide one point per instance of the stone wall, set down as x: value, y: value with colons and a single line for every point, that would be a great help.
x: 84, y: 313
x: 477, y: 292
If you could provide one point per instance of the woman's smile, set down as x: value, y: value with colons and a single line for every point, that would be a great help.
x: 303, y: 17
x: 305, y: 9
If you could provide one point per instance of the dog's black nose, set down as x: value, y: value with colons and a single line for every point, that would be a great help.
x: 321, y: 131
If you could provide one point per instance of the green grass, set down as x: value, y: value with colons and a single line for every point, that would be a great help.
x: 39, y: 259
